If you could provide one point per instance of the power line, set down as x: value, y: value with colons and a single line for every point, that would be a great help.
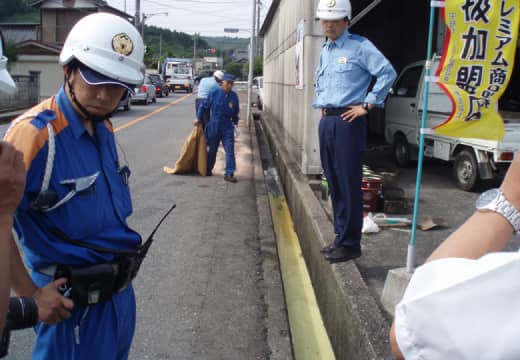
x: 210, y: 13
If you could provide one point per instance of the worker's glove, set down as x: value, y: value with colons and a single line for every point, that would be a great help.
x: 236, y: 131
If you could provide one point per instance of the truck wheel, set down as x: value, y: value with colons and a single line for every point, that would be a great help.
x: 465, y: 170
x: 401, y: 151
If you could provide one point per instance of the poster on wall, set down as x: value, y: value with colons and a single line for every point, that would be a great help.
x: 299, y: 55
x: 477, y: 64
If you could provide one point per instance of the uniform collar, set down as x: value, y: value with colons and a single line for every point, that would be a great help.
x: 70, y: 114
x: 72, y: 117
x: 340, y: 41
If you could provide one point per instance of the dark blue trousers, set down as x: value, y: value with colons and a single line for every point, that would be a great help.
x: 215, y: 133
x: 342, y: 147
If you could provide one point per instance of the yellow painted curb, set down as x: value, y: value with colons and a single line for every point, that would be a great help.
x: 309, y: 337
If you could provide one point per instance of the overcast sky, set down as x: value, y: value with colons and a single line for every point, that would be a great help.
x: 207, y: 17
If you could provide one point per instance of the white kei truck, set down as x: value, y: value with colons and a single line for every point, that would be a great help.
x: 473, y: 160
x: 178, y: 74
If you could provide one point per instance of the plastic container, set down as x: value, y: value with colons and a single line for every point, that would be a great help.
x: 372, y: 187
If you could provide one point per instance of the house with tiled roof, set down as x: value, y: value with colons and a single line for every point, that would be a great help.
x: 39, y: 45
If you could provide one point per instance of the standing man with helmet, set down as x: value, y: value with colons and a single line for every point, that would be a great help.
x: 12, y: 183
x: 206, y: 86
x: 224, y: 107
x: 72, y: 220
x: 347, y: 64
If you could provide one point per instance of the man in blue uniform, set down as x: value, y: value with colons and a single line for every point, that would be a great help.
x: 72, y: 220
x: 347, y: 64
x: 224, y: 108
x: 206, y: 86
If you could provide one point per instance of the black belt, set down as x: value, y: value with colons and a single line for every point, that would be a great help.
x: 334, y: 111
x: 93, y: 284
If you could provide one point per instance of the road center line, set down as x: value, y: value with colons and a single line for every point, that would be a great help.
x: 156, y: 111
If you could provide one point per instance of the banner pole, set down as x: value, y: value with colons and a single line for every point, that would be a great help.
x: 410, y: 258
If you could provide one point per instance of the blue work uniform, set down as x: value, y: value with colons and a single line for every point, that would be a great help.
x: 344, y: 73
x: 96, y: 216
x: 206, y: 86
x: 224, y: 109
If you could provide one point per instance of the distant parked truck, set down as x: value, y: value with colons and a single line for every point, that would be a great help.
x: 473, y: 159
x: 178, y: 74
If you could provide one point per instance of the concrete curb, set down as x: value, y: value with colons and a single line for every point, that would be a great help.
x: 353, y: 319
x: 277, y: 323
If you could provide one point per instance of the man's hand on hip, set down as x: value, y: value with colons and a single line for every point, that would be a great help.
x: 353, y: 112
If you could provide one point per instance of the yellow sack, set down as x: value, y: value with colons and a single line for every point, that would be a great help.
x: 194, y: 156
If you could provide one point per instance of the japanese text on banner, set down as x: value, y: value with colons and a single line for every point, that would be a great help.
x: 477, y: 64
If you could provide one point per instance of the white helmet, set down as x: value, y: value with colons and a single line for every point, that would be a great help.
x: 334, y: 10
x: 107, y: 44
x: 7, y: 84
x: 219, y: 74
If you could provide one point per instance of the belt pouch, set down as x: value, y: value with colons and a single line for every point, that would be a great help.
x: 128, y: 268
x: 88, y: 285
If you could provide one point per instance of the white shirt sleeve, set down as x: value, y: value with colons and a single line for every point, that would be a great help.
x: 462, y: 309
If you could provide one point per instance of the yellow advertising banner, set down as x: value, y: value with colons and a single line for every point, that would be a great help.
x: 478, y: 59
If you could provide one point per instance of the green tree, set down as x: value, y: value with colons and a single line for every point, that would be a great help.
x: 258, y: 66
x: 234, y: 68
x: 11, y: 52
x: 161, y: 41
x: 10, y: 9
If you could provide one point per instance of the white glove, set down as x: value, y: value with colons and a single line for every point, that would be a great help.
x: 237, y: 131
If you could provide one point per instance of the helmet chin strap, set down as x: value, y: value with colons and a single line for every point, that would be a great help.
x: 87, y: 114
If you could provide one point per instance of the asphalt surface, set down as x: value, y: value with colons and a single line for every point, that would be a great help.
x: 200, y: 292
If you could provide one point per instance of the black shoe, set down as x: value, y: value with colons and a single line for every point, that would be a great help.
x: 230, y: 178
x: 341, y: 254
x: 327, y: 249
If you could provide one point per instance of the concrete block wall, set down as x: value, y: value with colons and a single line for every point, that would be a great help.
x: 51, y: 73
x: 291, y: 107
x: 27, y: 93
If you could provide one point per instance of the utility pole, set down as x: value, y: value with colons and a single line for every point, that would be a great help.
x: 147, y: 16
x: 160, y: 44
x: 257, y: 47
x: 194, y: 46
x: 142, y: 25
x: 251, y: 64
x: 137, y: 16
x: 160, y: 52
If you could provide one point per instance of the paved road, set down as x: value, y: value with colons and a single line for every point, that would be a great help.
x: 198, y: 291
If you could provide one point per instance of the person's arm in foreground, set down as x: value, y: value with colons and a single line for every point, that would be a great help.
x: 52, y: 306
x: 12, y: 184
x: 482, y: 233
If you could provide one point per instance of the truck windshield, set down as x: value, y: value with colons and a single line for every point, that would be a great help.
x: 181, y: 70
